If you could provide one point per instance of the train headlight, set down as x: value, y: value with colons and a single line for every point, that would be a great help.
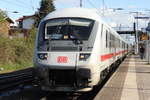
x: 42, y: 56
x: 84, y: 56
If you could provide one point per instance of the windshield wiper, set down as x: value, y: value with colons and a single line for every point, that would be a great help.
x: 77, y: 40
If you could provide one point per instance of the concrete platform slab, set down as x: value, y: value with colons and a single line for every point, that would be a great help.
x: 131, y: 81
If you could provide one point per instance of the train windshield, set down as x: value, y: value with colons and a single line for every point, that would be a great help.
x: 68, y: 28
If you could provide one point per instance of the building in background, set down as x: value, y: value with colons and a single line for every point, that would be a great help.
x: 25, y: 23
x: 5, y: 27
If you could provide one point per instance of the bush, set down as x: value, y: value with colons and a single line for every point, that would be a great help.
x: 17, y: 53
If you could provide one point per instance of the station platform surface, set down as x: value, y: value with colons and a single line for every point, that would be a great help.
x: 131, y: 81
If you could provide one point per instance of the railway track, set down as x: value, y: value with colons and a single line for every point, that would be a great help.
x: 82, y: 96
x: 7, y: 81
x: 10, y: 80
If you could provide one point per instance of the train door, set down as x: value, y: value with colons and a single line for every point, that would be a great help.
x: 103, y: 43
x: 105, y: 55
x: 103, y: 50
x: 115, y: 48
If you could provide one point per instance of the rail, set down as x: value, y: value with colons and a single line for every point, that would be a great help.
x: 9, y: 80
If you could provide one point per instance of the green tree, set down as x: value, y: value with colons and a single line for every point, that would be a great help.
x: 3, y: 15
x: 46, y: 6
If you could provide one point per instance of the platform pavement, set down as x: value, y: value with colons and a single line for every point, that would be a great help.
x: 131, y: 81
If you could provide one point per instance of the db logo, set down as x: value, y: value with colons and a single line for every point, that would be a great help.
x: 62, y: 59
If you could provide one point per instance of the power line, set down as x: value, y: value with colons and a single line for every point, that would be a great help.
x: 8, y: 2
x: 20, y: 2
x: 93, y: 5
x: 32, y: 5
x: 60, y: 3
x: 80, y: 3
x: 23, y: 3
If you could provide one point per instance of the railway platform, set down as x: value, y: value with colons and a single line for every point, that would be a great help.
x: 131, y: 81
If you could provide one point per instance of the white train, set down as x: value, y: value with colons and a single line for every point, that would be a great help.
x: 74, y: 49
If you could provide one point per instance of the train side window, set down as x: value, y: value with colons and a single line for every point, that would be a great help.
x: 101, y: 30
x: 116, y: 43
x: 106, y: 38
x: 120, y: 44
x: 110, y: 43
x: 113, y: 41
x: 123, y: 45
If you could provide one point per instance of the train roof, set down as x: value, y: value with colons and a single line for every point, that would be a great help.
x: 74, y: 12
x: 81, y: 13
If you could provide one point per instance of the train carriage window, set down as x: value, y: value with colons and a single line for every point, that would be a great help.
x: 110, y: 40
x: 123, y: 45
x: 120, y: 44
x: 116, y: 43
x: 113, y: 41
x: 101, y: 30
x: 107, y: 39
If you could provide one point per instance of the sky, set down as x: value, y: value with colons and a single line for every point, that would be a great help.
x: 29, y: 7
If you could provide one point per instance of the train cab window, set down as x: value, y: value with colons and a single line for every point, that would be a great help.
x: 68, y: 28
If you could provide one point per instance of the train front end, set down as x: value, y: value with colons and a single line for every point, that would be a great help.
x: 63, y: 53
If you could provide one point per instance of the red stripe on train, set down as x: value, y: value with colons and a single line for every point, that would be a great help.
x: 108, y: 56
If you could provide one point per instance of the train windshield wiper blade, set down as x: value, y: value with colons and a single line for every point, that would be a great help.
x: 77, y: 39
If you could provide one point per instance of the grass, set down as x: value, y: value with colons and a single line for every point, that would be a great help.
x: 16, y: 54
x: 13, y: 67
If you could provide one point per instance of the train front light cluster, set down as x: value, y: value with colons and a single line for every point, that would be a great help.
x: 42, y: 56
x: 84, y: 56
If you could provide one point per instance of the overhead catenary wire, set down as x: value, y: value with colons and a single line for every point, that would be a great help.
x: 90, y: 2
x: 81, y: 3
x: 60, y: 3
x: 19, y: 5
x: 23, y: 3
x: 20, y: 2
x: 32, y: 4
